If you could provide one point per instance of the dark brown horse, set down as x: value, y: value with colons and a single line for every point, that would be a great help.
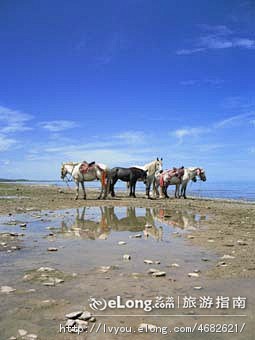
x: 131, y: 175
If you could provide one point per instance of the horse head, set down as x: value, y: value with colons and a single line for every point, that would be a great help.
x: 201, y: 174
x: 63, y: 171
x: 144, y: 176
x: 159, y: 164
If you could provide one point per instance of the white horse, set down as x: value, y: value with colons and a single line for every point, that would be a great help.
x: 191, y: 175
x: 167, y: 179
x: 83, y: 172
x: 151, y: 168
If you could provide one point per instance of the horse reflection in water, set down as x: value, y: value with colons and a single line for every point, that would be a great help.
x: 184, y: 220
x: 109, y: 219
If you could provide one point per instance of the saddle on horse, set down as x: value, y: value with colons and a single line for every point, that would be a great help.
x: 167, y: 175
x: 85, y: 167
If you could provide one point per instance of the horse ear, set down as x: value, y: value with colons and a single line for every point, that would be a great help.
x: 161, y: 159
x: 157, y: 159
x: 146, y: 171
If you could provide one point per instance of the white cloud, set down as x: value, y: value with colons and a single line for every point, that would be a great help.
x: 217, y: 37
x: 58, y: 125
x: 131, y: 137
x: 233, y: 119
x: 13, y: 120
x: 193, y: 132
x: 6, y: 143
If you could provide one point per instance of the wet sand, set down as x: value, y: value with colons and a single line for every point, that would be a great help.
x: 212, y: 238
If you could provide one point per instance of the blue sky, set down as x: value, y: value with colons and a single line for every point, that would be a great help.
x: 122, y: 82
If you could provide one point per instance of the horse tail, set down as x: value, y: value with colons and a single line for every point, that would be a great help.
x: 103, y: 178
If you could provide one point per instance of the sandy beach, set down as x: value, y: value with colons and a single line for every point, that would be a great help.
x: 213, y: 239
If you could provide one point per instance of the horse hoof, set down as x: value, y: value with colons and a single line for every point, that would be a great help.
x: 84, y: 198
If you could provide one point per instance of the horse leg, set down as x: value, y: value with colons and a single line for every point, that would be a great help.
x: 177, y: 191
x: 77, y: 190
x: 131, y: 182
x: 83, y: 188
x: 113, y: 182
x: 148, y: 188
x: 165, y: 191
x: 184, y: 191
x: 134, y: 185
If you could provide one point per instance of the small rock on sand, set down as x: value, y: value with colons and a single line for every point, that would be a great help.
x: 7, y: 289
x: 135, y: 236
x: 83, y: 325
x: 52, y: 249
x: 22, y: 332
x: 70, y: 323
x: 176, y: 265
x: 148, y: 261
x: 197, y: 288
x: 74, y: 315
x: 122, y: 243
x: 225, y: 257
x: 147, y: 326
x: 193, y: 274
x: 152, y: 270
x: 159, y: 274
x: 126, y: 257
x: 45, y: 269
x: 85, y: 316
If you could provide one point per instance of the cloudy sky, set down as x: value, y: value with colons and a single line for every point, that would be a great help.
x: 122, y: 82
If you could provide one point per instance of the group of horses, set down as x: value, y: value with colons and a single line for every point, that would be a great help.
x: 152, y: 174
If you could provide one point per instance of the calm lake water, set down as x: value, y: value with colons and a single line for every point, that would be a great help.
x: 229, y: 190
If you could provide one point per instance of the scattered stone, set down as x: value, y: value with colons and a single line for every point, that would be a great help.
x: 190, y: 237
x: 70, y: 323
x: 74, y: 315
x: 23, y: 225
x: 45, y: 269
x: 225, y: 257
x: 57, y: 281
x: 221, y: 264
x: 83, y: 325
x: 205, y: 259
x: 48, y: 283
x: 126, y: 257
x: 148, y: 261
x: 152, y: 270
x: 197, y: 288
x: 7, y: 289
x: 135, y: 236
x: 193, y: 275
x: 31, y: 337
x: 12, y: 338
x: 242, y: 243
x: 157, y: 262
x: 22, y: 332
x: 104, y: 269
x: 159, y: 274
x: 147, y: 326
x: 122, y: 243
x: 175, y: 265
x: 211, y: 241
x: 52, y: 249
x: 196, y: 271
x: 85, y: 316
